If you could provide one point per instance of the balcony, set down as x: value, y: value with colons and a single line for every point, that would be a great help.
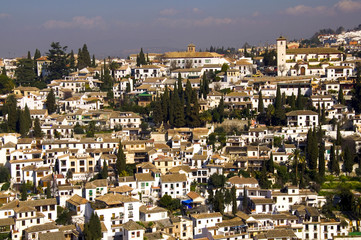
x: 262, y: 228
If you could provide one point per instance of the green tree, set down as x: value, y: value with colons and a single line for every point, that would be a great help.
x: 347, y: 160
x: 104, y: 171
x: 234, y: 200
x: 107, y: 80
x: 10, y: 109
x: 86, y: 55
x: 340, y: 98
x: 321, y: 160
x: 50, y: 102
x: 179, y: 120
x: 157, y: 112
x: 169, y: 203
x: 312, y: 149
x: 37, y: 128
x: 37, y: 55
x: 58, y: 66
x: 91, y: 129
x: 24, y: 73
x: 338, y: 135
x: 121, y: 160
x: 280, y: 114
x: 225, y: 67
x: 299, y: 101
x: 72, y: 66
x: 4, y: 174
x: 245, y: 200
x: 78, y: 129
x: 93, y: 228
x: 141, y: 58
x: 333, y: 164
x: 270, y: 164
x: 48, y: 190
x: 260, y: 103
x: 6, y: 84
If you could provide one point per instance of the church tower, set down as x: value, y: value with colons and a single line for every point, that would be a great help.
x: 281, y: 56
x: 191, y: 48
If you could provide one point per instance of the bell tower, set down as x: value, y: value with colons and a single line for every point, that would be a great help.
x: 281, y: 56
x: 191, y: 48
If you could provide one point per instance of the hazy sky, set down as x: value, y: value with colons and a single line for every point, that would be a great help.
x: 115, y: 27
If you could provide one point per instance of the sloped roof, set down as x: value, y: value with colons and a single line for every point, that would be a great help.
x: 169, y: 178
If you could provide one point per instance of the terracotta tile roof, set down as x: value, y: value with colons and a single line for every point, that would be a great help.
x: 76, y: 200
x: 206, y: 215
x: 169, y: 178
x: 145, y: 209
x: 52, y: 236
x: 131, y: 226
x: 242, y: 180
x: 113, y: 199
x: 41, y: 227
x: 300, y: 112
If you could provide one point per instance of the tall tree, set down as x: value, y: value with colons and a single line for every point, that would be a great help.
x: 356, y: 91
x: 141, y: 58
x: 10, y: 109
x: 121, y: 160
x: 106, y: 78
x: 220, y: 110
x: 299, y: 101
x: 72, y: 61
x: 37, y: 55
x: 58, y: 66
x: 280, y: 114
x: 333, y: 164
x: 338, y: 135
x: 179, y: 120
x: 50, y: 102
x: 234, y: 200
x: 260, y: 103
x: 340, y: 98
x: 347, y: 160
x: 37, y: 128
x: 104, y: 171
x: 93, y: 61
x: 24, y: 73
x: 93, y: 228
x: 6, y: 84
x: 86, y: 55
x: 245, y: 200
x: 321, y: 160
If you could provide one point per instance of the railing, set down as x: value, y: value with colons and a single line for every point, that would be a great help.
x: 263, y: 228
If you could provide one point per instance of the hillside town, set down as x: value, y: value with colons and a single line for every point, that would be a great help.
x: 258, y: 143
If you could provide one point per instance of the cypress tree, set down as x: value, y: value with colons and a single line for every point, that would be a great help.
x: 104, y: 171
x: 171, y: 107
x: 37, y: 128
x: 338, y: 135
x: 29, y: 55
x: 27, y: 117
x: 72, y: 61
x: 260, y: 103
x: 321, y: 160
x: 280, y: 115
x: 180, y: 87
x: 270, y: 164
x: 245, y: 200
x: 220, y: 110
x: 93, y: 61
x: 50, y: 102
x: 299, y: 102
x: 165, y: 105
x: 93, y: 229
x: 347, y: 160
x: 341, y: 99
x: 121, y: 161
x: 10, y: 108
x: 293, y: 102
x: 234, y: 200
x: 157, y: 112
x: 80, y: 60
x: 22, y: 124
x: 86, y: 56
x: 178, y: 110
x: 333, y: 165
x: 194, y: 116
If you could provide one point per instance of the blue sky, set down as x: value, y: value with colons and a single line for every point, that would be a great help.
x: 116, y: 28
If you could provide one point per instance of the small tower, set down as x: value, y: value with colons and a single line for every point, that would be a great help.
x: 191, y: 48
x: 281, y: 56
